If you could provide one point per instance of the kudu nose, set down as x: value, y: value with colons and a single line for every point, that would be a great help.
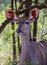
x: 19, y: 29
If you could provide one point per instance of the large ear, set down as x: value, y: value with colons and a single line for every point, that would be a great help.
x: 10, y: 14
x: 34, y: 13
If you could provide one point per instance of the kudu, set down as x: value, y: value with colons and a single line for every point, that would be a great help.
x: 35, y: 52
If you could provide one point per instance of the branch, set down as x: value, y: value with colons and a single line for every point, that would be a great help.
x: 39, y: 6
x: 44, y: 34
x: 4, y: 24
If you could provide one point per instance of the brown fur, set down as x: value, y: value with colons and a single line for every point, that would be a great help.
x: 43, y: 43
x: 38, y: 53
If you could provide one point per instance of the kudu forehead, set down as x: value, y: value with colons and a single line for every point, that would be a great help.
x: 24, y: 20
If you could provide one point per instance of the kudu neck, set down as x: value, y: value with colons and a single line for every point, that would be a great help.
x: 26, y: 37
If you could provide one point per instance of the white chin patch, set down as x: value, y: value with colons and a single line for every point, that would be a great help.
x: 19, y: 34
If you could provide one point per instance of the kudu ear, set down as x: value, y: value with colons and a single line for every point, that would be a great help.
x: 10, y: 14
x: 33, y: 14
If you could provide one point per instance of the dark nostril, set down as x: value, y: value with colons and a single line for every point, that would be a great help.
x: 31, y: 18
x: 18, y: 31
x: 19, y: 27
x: 16, y: 22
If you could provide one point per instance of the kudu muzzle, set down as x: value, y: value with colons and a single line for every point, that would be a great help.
x: 19, y: 28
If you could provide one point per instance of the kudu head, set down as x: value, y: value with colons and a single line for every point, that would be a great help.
x: 23, y: 22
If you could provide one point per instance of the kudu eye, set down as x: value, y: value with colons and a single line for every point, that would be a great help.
x: 27, y: 22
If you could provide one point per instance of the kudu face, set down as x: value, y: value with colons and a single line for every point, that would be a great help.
x: 24, y: 27
x: 23, y: 22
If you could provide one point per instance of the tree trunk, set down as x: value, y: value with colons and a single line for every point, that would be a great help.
x: 35, y: 26
x: 18, y: 39
x: 45, y: 1
x: 13, y: 36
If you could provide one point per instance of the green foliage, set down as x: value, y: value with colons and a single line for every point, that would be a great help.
x: 41, y: 1
x: 4, y: 4
x: 42, y: 24
x: 28, y: 63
